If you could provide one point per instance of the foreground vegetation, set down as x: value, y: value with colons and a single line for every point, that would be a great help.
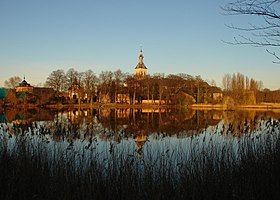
x: 211, y: 165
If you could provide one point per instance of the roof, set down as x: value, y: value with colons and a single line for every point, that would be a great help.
x: 141, y: 64
x: 24, y: 83
x: 74, y: 85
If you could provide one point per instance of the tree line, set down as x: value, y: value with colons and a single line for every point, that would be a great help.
x: 241, y: 88
x: 108, y: 86
x: 244, y: 90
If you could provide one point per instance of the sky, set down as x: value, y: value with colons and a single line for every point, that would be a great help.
x: 177, y: 36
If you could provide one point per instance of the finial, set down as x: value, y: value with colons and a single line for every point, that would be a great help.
x: 141, y: 51
x: 141, y: 56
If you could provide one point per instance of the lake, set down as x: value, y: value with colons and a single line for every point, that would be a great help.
x: 122, y: 152
x: 135, y: 130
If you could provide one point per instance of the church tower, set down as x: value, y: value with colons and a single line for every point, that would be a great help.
x: 141, y: 69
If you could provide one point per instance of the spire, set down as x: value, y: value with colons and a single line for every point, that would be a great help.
x: 141, y: 57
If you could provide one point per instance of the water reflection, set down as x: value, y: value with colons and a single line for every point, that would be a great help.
x: 139, y: 123
x: 118, y: 125
x: 23, y: 116
x: 154, y: 137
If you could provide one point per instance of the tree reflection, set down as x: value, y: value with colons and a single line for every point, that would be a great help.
x: 240, y: 122
x: 139, y: 124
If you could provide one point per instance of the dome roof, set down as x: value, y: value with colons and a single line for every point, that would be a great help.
x: 24, y: 83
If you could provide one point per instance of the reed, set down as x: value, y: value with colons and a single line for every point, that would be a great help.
x: 211, y: 165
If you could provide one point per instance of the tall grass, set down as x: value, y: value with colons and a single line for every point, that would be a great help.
x: 210, y: 165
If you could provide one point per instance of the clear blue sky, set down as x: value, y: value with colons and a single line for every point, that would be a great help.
x: 177, y: 36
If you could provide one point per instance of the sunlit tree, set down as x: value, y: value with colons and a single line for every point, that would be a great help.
x: 119, y: 78
x: 90, y: 81
x: 71, y: 75
x: 57, y: 80
x: 105, y: 84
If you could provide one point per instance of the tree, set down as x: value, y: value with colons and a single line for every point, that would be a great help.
x: 119, y: 78
x: 240, y: 88
x: 90, y: 81
x: 199, y: 86
x: 12, y: 82
x: 131, y: 82
x: 57, y: 80
x: 267, y: 32
x: 71, y: 75
x: 146, y: 84
x: 105, y: 90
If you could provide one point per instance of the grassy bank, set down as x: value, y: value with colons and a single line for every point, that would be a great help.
x: 34, y: 167
x: 259, y: 107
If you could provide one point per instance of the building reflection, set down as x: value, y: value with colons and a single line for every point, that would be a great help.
x: 142, y: 123
x: 23, y: 120
x: 23, y: 116
x: 140, y: 139
x: 139, y: 124
x: 240, y: 122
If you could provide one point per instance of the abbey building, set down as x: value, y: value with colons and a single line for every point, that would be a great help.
x: 141, y: 69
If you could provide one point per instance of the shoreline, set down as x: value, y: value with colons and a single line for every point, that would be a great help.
x: 259, y: 107
x: 112, y: 105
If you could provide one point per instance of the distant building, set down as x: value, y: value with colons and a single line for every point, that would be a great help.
x: 37, y: 95
x: 76, y: 92
x: 123, y: 98
x: 24, y: 87
x: 141, y: 69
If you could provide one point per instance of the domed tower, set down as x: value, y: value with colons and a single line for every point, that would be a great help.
x: 24, y: 87
x: 141, y: 69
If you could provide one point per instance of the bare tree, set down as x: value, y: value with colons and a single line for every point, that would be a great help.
x: 71, y: 75
x: 226, y: 82
x: 12, y: 82
x: 105, y: 85
x: 57, y: 80
x: 241, y: 89
x: 119, y: 78
x: 90, y: 82
x: 264, y: 34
